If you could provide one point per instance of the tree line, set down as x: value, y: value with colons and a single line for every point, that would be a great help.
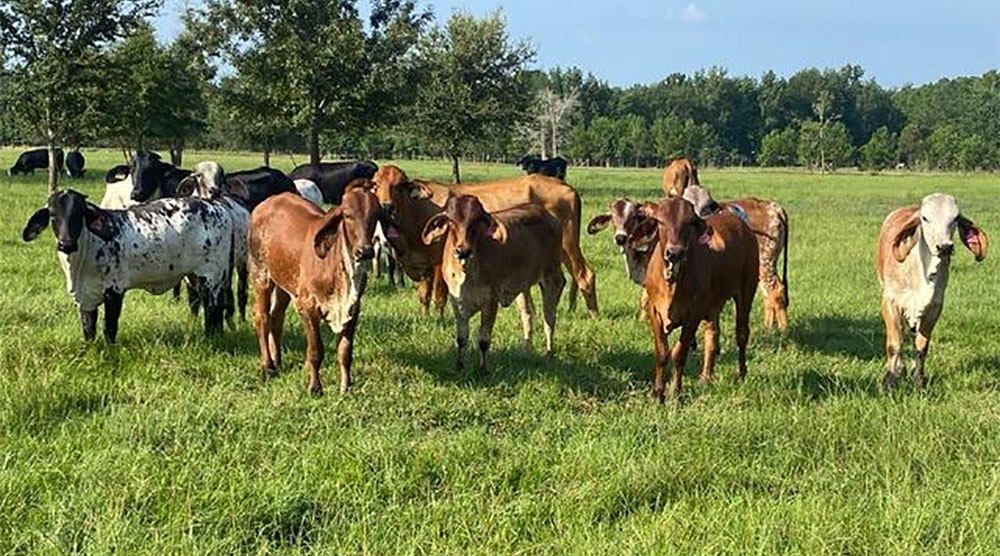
x: 321, y: 77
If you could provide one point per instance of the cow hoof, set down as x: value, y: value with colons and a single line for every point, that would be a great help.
x: 268, y: 373
x: 706, y: 378
x: 316, y: 390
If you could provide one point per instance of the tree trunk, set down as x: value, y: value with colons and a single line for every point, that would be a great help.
x: 176, y: 154
x: 455, y: 176
x: 267, y: 155
x: 314, y: 140
x: 53, y: 169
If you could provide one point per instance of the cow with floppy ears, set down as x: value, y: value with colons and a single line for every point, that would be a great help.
x: 913, y: 262
x: 696, y: 266
x: 106, y: 253
x: 624, y: 215
x: 319, y: 260
x: 495, y: 258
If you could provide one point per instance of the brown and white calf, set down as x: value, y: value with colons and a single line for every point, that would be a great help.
x: 769, y: 222
x: 624, y: 215
x: 317, y: 259
x: 492, y: 259
x: 913, y: 259
x: 696, y: 266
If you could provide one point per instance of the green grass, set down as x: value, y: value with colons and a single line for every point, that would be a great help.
x: 170, y: 443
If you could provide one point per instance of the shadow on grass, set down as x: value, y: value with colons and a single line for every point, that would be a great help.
x: 839, y: 335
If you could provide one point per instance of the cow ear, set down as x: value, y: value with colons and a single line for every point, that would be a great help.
x: 497, y: 231
x: 973, y: 237
x: 36, y: 224
x: 598, y: 223
x: 435, y: 229
x: 647, y: 210
x: 327, y: 232
x: 420, y: 191
x: 187, y: 186
x: 906, y: 237
x: 644, y: 235
x: 98, y: 222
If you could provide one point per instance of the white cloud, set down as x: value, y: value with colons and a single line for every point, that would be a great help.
x: 691, y: 14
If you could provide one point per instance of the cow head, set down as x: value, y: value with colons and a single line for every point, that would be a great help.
x: 69, y: 212
x: 935, y: 223
x: 207, y: 180
x: 393, y: 188
x: 701, y: 199
x: 354, y: 219
x: 147, y: 175
x: 623, y: 215
x: 466, y: 222
x: 674, y: 224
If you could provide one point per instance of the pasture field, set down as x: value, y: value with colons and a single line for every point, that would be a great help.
x: 170, y: 443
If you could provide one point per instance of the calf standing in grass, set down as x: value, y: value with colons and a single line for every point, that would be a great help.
x: 106, y: 253
x: 912, y: 261
x: 318, y: 259
x: 624, y: 215
x: 696, y: 266
x: 492, y: 259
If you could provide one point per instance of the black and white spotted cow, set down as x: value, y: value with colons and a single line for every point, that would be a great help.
x: 105, y: 253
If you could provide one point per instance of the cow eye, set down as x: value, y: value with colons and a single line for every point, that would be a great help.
x: 924, y: 218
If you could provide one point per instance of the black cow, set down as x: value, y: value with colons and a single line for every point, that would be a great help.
x: 332, y: 177
x: 35, y: 159
x: 74, y: 164
x: 152, y: 178
x: 553, y: 167
x: 261, y: 183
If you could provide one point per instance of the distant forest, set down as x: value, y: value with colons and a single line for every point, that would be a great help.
x: 398, y: 85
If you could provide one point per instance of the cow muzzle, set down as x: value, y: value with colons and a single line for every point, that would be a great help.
x: 67, y: 247
x: 463, y: 254
x: 365, y: 253
x: 620, y: 239
x: 946, y: 250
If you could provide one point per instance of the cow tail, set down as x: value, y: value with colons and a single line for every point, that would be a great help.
x: 574, y: 288
x: 784, y: 262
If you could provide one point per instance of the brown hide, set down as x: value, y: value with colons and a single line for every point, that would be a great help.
x: 677, y: 175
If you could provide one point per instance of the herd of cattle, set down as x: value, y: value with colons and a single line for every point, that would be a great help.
x: 479, y: 246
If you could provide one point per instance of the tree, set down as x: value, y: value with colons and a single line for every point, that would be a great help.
x: 52, y: 50
x: 777, y: 148
x: 880, y: 151
x: 337, y: 72
x: 673, y: 138
x: 474, y: 84
x: 822, y: 147
x: 553, y: 114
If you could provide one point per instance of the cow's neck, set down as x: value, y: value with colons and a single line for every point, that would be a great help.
x: 80, y: 269
x: 343, y: 305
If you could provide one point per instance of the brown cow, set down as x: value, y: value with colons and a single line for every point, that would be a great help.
x: 697, y: 265
x: 412, y: 202
x: 492, y: 259
x: 769, y: 222
x: 679, y: 174
x: 318, y: 259
x: 913, y: 261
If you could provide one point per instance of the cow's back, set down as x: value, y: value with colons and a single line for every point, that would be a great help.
x: 532, y: 247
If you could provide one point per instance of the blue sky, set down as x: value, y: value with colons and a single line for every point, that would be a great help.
x: 641, y: 41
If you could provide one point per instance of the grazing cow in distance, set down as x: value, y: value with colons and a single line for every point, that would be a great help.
x: 411, y: 203
x: 333, y: 178
x: 913, y: 259
x: 35, y: 159
x: 552, y: 167
x: 319, y: 259
x: 495, y: 258
x: 260, y: 184
x: 679, y: 174
x: 106, y: 253
x: 769, y: 222
x: 75, y: 164
x: 696, y: 266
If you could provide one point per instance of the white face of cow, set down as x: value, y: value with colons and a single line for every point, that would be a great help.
x: 938, y: 220
x: 623, y: 216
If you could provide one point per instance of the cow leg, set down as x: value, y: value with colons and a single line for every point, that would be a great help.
x: 660, y: 354
x: 922, y: 343
x: 440, y: 291
x: 744, y: 303
x: 894, y: 367
x: 573, y: 291
x: 711, y: 337
x: 487, y: 318
x: 643, y: 304
x: 241, y: 290
x: 314, y: 351
x: 276, y: 327
x: 424, y: 294
x: 214, y: 297
x: 526, y: 306
x: 391, y: 265
x: 177, y: 292
x: 112, y: 312
x: 582, y: 275
x: 552, y: 287
x: 194, y: 298
x: 262, y: 324
x: 678, y: 355
x: 377, y: 259
x: 461, y: 333
x: 345, y: 353
x: 88, y: 321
